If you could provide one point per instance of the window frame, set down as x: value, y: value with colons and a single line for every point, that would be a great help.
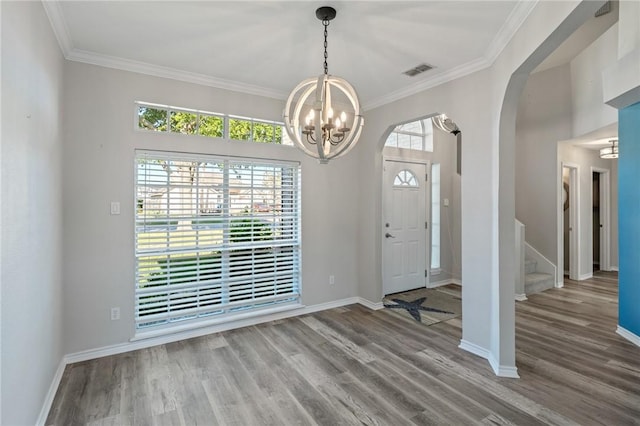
x: 231, y: 311
x: 424, y: 136
x: 436, y: 220
x: 226, y: 119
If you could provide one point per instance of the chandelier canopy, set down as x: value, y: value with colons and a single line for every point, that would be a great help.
x: 610, y: 151
x: 311, y: 115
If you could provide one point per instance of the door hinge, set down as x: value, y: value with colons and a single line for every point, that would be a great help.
x: 426, y: 177
x: 426, y: 225
x: 426, y: 273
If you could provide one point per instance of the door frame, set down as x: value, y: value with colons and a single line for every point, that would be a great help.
x: 427, y: 214
x: 574, y: 222
x: 605, y: 217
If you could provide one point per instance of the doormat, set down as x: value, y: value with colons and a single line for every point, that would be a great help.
x: 426, y: 305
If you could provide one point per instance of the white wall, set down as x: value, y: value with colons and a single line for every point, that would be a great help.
x: 100, y: 140
x: 556, y: 105
x: 589, y: 110
x: 31, y: 210
x: 585, y: 159
x: 544, y: 119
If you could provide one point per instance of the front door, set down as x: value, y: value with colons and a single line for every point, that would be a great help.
x: 404, y: 226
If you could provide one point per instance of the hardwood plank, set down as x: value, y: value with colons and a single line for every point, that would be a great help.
x: 351, y: 365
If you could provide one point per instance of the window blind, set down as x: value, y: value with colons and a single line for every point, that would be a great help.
x: 214, y: 236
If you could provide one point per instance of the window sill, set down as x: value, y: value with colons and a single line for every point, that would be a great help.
x: 195, y: 328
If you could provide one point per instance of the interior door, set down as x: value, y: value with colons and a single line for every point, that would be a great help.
x: 405, y: 191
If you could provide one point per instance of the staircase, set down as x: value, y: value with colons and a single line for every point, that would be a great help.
x: 534, y: 281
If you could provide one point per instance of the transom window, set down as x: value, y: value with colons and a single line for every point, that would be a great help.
x: 417, y: 135
x: 215, y: 236
x: 405, y: 178
x: 164, y: 118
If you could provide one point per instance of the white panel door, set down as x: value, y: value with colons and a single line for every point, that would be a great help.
x: 404, y: 222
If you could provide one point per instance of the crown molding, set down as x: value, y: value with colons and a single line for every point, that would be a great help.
x: 58, y: 25
x: 54, y: 12
x: 513, y: 23
x: 171, y: 73
x: 436, y: 80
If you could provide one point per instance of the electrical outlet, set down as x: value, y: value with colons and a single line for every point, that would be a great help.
x: 332, y: 279
x: 115, y: 314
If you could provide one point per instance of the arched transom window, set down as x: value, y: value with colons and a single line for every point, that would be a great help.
x: 417, y: 135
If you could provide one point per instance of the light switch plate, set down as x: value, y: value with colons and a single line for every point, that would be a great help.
x: 115, y: 207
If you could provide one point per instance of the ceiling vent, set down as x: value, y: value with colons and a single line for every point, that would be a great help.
x: 417, y: 70
x: 606, y: 8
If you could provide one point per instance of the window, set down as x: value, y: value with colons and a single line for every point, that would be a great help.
x: 417, y: 135
x: 214, y: 236
x: 435, y: 217
x: 405, y: 178
x: 164, y: 118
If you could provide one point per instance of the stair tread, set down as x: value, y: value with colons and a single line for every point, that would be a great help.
x: 537, y: 276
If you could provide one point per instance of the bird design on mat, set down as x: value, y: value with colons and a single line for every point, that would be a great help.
x: 414, y: 307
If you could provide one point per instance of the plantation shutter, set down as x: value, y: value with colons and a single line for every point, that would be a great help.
x: 214, y: 236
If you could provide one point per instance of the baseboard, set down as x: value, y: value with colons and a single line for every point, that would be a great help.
x: 560, y: 284
x: 633, y: 338
x: 374, y: 306
x: 585, y: 276
x: 444, y: 282
x: 614, y: 268
x: 499, y: 370
x: 474, y: 349
x: 521, y: 297
x: 160, y: 340
x: 510, y: 372
x: 51, y: 393
x: 147, y: 342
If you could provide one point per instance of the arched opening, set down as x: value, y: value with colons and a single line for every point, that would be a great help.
x: 420, y: 165
x: 506, y: 181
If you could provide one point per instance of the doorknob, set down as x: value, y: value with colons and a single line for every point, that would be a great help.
x: 388, y: 235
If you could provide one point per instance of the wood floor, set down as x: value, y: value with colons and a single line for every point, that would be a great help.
x: 355, y: 366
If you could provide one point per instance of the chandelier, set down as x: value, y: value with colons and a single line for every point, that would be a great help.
x: 309, y: 116
x: 610, y: 151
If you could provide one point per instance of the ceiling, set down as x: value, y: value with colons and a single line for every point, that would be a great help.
x: 267, y: 47
x: 597, y: 139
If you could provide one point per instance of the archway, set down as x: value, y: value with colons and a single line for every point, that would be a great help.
x: 432, y: 145
x: 506, y: 176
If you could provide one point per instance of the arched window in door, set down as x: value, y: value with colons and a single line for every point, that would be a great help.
x: 405, y: 178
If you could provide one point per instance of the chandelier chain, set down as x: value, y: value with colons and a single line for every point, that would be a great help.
x: 325, y: 22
